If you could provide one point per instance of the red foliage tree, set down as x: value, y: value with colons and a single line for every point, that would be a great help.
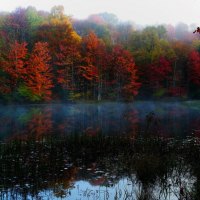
x: 194, y: 67
x: 90, y: 73
x: 64, y: 46
x: 124, y: 72
x: 94, y: 61
x: 13, y: 61
x: 159, y: 72
x: 177, y: 91
x: 66, y: 60
x: 39, y: 77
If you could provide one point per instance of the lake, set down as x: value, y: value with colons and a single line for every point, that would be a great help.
x: 140, y: 150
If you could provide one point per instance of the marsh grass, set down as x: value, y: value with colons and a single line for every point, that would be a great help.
x: 171, y: 165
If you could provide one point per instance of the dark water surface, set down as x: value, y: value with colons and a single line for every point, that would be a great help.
x: 167, y: 119
x: 141, y: 150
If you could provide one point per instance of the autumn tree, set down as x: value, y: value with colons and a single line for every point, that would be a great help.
x: 194, y: 61
x: 64, y: 48
x: 94, y: 62
x: 124, y: 73
x: 98, y: 57
x: 12, y: 67
x: 96, y: 24
x: 148, y: 47
x: 20, y: 25
x: 16, y: 26
x: 159, y: 74
x: 179, y: 76
x: 39, y: 75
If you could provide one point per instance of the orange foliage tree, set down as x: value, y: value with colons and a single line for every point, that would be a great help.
x: 124, y: 73
x: 94, y: 62
x: 64, y: 46
x: 39, y: 75
x: 12, y: 66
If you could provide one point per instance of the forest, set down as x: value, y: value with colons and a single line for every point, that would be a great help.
x: 49, y: 56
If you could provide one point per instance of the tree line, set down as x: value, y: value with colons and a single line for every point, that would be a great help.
x: 49, y: 56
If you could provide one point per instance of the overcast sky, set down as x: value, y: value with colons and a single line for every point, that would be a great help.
x: 140, y: 11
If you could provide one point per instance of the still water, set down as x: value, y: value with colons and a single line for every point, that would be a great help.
x: 141, y: 150
x: 168, y: 119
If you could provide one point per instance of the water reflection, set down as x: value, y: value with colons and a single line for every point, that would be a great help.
x: 100, y: 167
x: 104, y: 151
x: 165, y: 119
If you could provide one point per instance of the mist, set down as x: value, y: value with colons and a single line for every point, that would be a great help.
x: 99, y: 99
x: 112, y: 119
x: 142, y: 12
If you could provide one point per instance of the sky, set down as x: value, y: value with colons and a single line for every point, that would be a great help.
x: 145, y: 12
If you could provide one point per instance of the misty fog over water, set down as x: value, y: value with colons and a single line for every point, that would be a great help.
x: 160, y: 118
x: 99, y: 100
x: 96, y: 151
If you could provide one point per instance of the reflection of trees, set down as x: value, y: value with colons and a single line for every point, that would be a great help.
x: 34, y: 123
x: 110, y: 119
x: 156, y: 168
x: 133, y: 122
x: 161, y: 167
x: 40, y: 123
x: 30, y: 167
